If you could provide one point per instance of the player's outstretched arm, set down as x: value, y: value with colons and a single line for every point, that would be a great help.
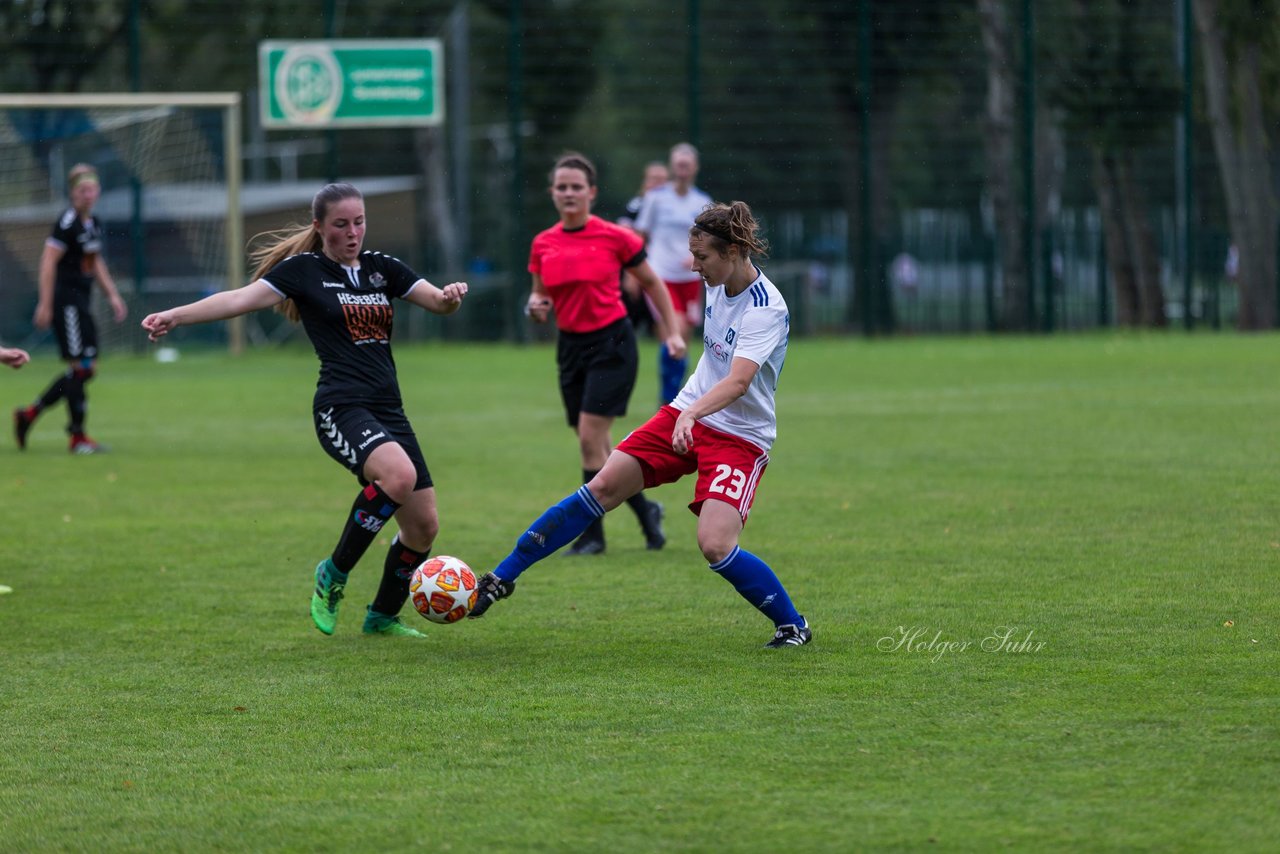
x: 444, y: 300
x: 219, y: 306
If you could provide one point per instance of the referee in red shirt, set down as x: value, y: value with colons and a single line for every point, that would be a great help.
x: 576, y: 266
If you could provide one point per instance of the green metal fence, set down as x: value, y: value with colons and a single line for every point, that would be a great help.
x: 862, y: 131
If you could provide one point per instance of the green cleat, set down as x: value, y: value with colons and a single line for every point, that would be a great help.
x: 330, y: 585
x: 381, y: 624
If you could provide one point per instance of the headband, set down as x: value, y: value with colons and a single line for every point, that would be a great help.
x: 82, y: 177
x: 715, y: 232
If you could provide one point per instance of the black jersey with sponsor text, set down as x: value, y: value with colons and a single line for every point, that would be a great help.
x: 80, y: 240
x: 347, y: 314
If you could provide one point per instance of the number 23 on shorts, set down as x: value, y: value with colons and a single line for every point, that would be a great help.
x: 734, y: 485
x: 736, y: 478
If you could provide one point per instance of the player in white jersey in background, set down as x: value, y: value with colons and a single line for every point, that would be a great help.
x: 666, y: 212
x: 721, y: 426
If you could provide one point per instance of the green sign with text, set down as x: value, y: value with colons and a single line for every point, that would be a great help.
x: 351, y: 83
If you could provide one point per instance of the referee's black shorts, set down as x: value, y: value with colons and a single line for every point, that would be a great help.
x: 597, y: 370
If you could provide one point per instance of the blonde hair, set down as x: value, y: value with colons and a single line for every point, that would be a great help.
x: 79, y: 173
x: 644, y: 176
x: 731, y: 225
x: 286, y: 242
x: 683, y: 148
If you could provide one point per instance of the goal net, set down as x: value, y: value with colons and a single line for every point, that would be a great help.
x: 169, y: 166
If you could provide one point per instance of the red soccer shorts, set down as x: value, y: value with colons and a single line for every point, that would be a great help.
x: 729, y: 468
x: 686, y: 300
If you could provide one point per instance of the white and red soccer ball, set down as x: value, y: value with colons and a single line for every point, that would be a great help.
x: 443, y: 589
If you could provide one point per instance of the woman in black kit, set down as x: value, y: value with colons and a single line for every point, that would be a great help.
x: 319, y: 274
x: 70, y: 264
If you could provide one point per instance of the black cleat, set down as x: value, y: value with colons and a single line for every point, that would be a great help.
x: 490, y: 589
x: 651, y: 523
x: 791, y: 635
x: 591, y: 542
x: 21, y: 427
x: 586, y: 545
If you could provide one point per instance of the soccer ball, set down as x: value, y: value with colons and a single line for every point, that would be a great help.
x: 443, y: 589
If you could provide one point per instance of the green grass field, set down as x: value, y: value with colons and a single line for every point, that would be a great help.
x: 1114, y: 502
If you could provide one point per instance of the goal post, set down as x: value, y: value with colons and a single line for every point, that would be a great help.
x: 165, y: 169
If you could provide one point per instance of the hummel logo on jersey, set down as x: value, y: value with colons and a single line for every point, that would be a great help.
x: 334, y: 284
x: 375, y: 437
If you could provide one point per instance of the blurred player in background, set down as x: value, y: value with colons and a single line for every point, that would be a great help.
x: 575, y: 266
x: 638, y: 308
x: 343, y: 296
x: 72, y: 260
x: 666, y: 213
x: 721, y: 426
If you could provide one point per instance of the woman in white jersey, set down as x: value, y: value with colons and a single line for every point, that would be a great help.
x: 666, y: 212
x: 720, y: 426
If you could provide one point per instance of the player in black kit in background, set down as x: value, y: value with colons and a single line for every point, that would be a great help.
x: 319, y: 274
x: 71, y: 262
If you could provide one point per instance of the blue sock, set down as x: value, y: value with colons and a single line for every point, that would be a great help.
x: 670, y: 374
x: 756, y: 583
x: 559, y: 526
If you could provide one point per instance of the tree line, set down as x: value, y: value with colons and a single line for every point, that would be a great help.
x: 864, y: 106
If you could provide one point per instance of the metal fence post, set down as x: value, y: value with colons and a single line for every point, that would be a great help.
x: 1104, y: 287
x: 331, y: 135
x: 137, y: 222
x: 1186, y: 141
x: 1276, y: 317
x: 693, y: 73
x: 866, y: 238
x: 1029, y: 156
x: 515, y: 109
x: 1046, y: 259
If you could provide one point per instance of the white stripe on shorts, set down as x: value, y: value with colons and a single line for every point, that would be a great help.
x: 71, y: 324
x: 744, y: 506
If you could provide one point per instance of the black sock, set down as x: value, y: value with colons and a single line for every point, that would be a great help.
x: 396, y: 572
x: 371, y: 510
x: 54, y: 392
x: 77, y: 401
x: 594, y: 531
x: 638, y: 504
